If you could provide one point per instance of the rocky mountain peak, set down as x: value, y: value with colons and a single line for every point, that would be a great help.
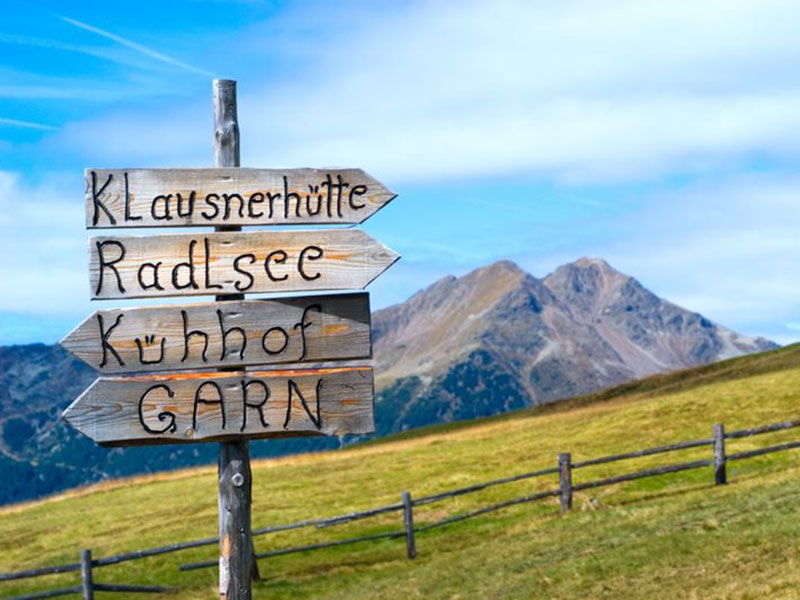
x: 587, y: 286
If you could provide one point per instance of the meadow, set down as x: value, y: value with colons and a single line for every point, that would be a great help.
x: 673, y: 536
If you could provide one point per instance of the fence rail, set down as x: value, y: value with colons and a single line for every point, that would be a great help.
x: 565, y: 490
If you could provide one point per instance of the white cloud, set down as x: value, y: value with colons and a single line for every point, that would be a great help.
x: 730, y: 251
x: 24, y: 124
x: 140, y: 48
x: 579, y: 91
x: 574, y: 92
x: 44, y: 270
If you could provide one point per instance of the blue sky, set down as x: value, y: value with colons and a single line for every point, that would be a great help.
x: 661, y: 136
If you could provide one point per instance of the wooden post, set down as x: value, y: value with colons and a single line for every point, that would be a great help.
x: 87, y: 585
x: 408, y: 522
x: 236, y: 565
x: 565, y: 480
x: 720, y: 474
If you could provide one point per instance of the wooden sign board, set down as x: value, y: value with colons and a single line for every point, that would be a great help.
x: 202, y: 407
x: 234, y: 263
x: 230, y: 196
x: 229, y: 334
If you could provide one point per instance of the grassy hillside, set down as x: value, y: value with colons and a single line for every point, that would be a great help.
x: 668, y: 537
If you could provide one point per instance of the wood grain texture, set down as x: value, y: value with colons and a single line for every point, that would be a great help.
x: 87, y: 585
x: 163, y: 409
x: 230, y: 334
x: 234, y: 503
x: 230, y: 196
x: 234, y: 263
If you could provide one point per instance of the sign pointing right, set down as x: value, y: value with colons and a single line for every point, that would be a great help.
x: 234, y: 263
x: 230, y: 196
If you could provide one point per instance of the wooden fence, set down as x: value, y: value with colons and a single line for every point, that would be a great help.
x: 565, y: 490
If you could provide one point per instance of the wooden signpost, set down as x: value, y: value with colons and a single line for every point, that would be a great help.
x: 153, y: 401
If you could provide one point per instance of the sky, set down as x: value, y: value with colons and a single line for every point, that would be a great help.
x: 661, y: 136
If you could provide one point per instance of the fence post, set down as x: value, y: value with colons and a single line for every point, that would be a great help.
x: 720, y: 474
x: 408, y: 521
x: 87, y: 585
x: 565, y: 480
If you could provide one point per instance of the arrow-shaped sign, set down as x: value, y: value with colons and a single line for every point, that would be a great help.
x: 230, y: 196
x: 230, y: 334
x: 200, y: 407
x: 234, y: 263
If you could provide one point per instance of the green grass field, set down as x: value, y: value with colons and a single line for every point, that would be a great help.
x: 674, y: 536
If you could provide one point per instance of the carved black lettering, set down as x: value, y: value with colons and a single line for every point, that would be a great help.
x: 259, y: 406
x: 171, y: 426
x: 271, y: 199
x: 255, y: 198
x: 97, y: 203
x: 294, y: 389
x: 356, y: 190
x: 225, y: 333
x: 198, y: 399
x: 340, y: 185
x: 104, y: 343
x: 187, y: 336
x: 165, y: 202
x: 150, y: 341
x: 313, y: 195
x: 189, y: 265
x: 305, y: 324
x: 309, y: 253
x: 141, y: 273
x: 227, y: 199
x: 287, y: 197
x: 128, y: 215
x: 189, y: 204
x: 210, y: 201
x: 328, y: 184
x: 207, y: 267
x: 238, y: 285
x: 104, y: 264
x: 281, y: 258
x: 265, y: 340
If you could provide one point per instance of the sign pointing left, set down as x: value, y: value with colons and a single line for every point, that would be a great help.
x: 233, y: 334
x: 203, y: 407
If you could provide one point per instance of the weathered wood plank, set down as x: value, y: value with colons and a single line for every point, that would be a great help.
x: 231, y: 334
x: 408, y: 525
x: 565, y: 481
x: 230, y: 196
x: 720, y: 472
x: 87, y: 585
x: 237, y: 568
x: 234, y: 263
x: 194, y: 407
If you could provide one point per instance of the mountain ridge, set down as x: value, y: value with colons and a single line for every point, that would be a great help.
x: 502, y: 338
x: 493, y: 340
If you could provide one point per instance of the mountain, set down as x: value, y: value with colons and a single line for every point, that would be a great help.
x: 499, y: 338
x: 494, y: 340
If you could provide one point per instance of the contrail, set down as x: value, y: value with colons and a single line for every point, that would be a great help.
x: 138, y: 47
x: 27, y: 124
